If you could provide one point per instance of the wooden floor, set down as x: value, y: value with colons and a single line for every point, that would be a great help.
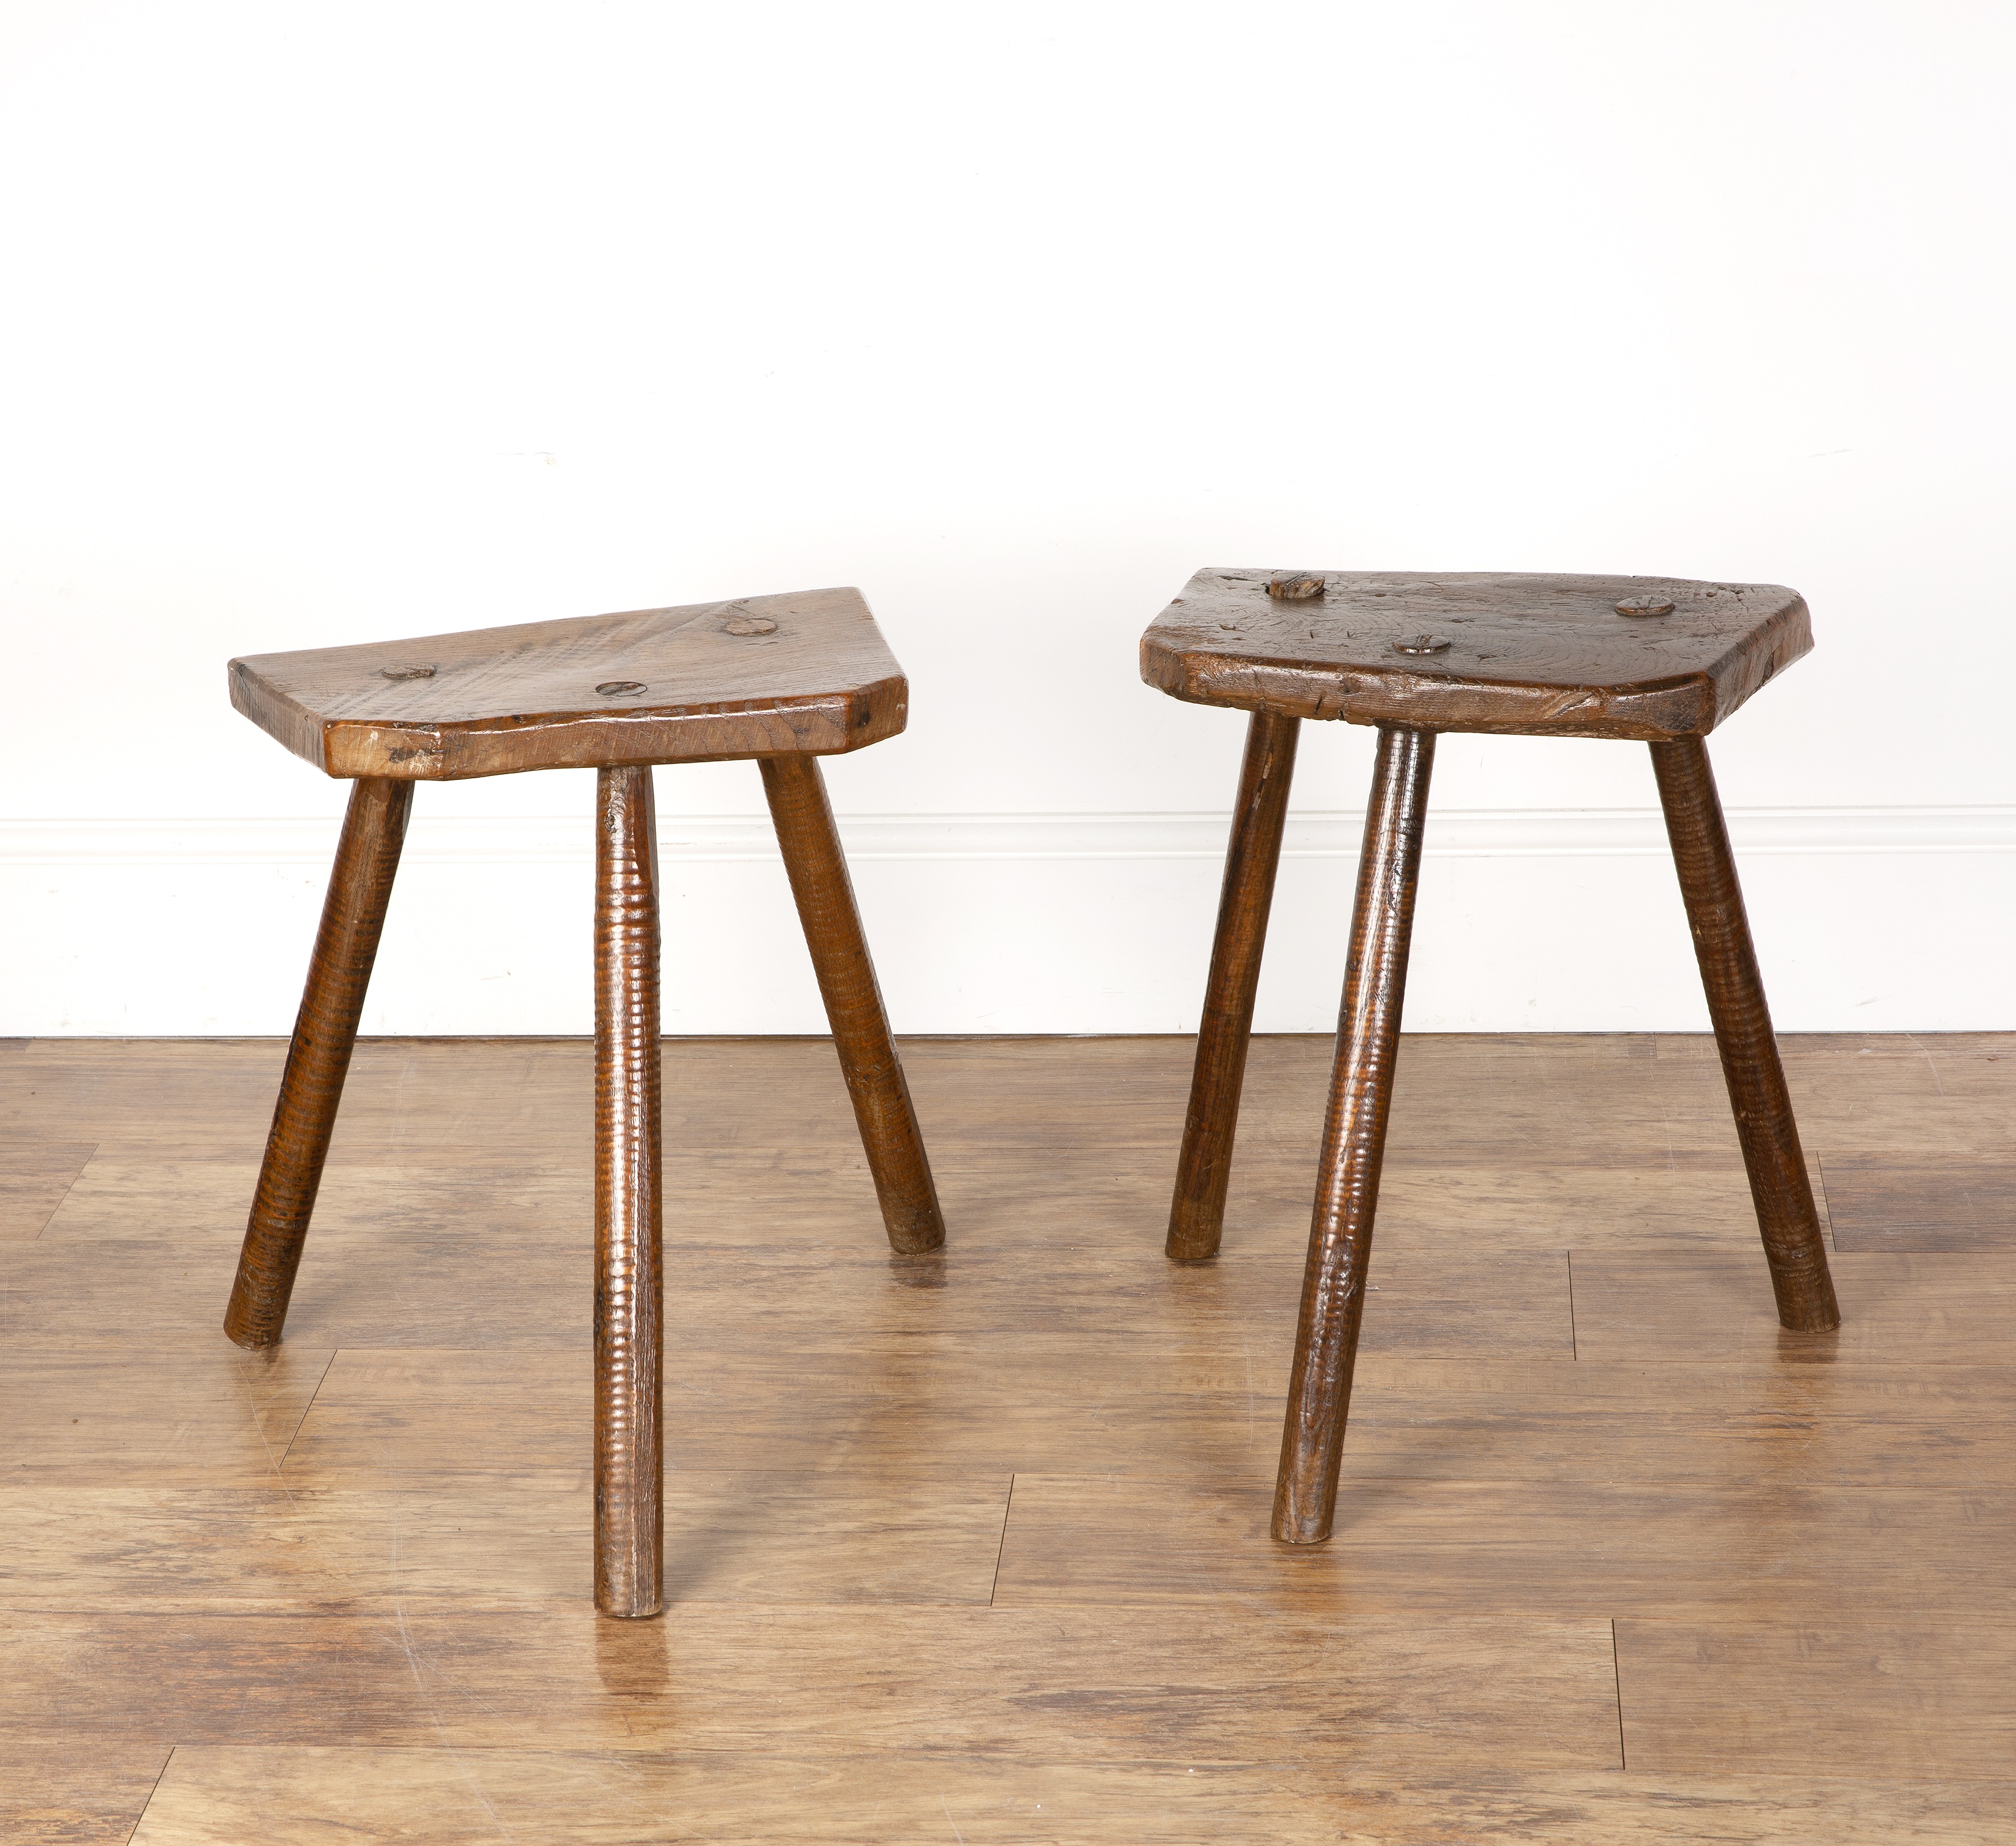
x: 973, y: 1549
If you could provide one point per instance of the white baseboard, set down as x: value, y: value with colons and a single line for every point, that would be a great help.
x: 1867, y: 918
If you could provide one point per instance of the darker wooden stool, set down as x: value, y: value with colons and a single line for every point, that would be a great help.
x: 1559, y: 656
x: 783, y: 679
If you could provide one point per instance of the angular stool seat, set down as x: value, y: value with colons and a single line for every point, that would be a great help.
x: 1656, y: 659
x: 1537, y: 655
x: 763, y: 676
x: 782, y: 679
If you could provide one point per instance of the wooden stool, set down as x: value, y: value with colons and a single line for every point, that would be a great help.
x: 1547, y: 656
x: 783, y: 679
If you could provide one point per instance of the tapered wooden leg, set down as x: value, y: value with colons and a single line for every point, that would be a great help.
x: 629, y: 1465
x: 1203, y: 1168
x: 1783, y: 1196
x: 1361, y: 1094
x: 868, y: 1061
x: 352, y: 915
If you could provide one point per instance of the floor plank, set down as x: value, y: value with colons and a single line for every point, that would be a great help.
x: 1692, y: 1200
x: 34, y: 1176
x: 56, y: 1791
x: 1165, y: 1408
x: 473, y: 1289
x: 1908, y: 1205
x: 1459, y: 1100
x: 127, y: 1196
x: 1065, y: 1403
x: 1573, y: 1546
x: 1931, y: 1696
x: 1187, y: 1686
x: 223, y: 1797
x: 729, y: 1537
x: 1896, y: 1308
x: 111, y: 1414
x: 746, y: 1197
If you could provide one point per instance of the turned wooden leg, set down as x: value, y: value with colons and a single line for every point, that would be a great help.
x: 1361, y: 1094
x: 1203, y: 1168
x: 868, y: 1061
x: 352, y: 915
x: 629, y: 1463
x: 1783, y: 1195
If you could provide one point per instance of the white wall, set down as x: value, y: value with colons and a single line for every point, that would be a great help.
x: 335, y: 323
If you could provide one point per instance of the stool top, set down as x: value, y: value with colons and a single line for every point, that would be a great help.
x: 1475, y: 651
x: 806, y: 673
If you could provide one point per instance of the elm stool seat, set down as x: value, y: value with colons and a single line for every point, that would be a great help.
x: 782, y: 679
x: 1655, y: 659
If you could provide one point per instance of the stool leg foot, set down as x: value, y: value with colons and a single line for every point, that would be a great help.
x: 360, y: 886
x: 1197, y: 1213
x: 629, y: 1464
x: 1783, y: 1195
x: 1361, y: 1094
x: 868, y: 1061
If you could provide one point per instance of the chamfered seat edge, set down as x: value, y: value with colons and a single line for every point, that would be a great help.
x: 831, y: 725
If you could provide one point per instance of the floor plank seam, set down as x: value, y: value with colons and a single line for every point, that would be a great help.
x: 1007, y: 1509
x: 306, y: 1409
x: 1617, y: 1679
x: 151, y: 1793
x: 1818, y: 1167
x: 1575, y: 1348
x: 66, y: 1191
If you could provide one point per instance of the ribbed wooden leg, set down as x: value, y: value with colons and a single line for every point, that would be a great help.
x: 352, y: 915
x: 868, y: 1061
x: 629, y: 1466
x: 1793, y: 1244
x: 1203, y: 1168
x: 1361, y: 1094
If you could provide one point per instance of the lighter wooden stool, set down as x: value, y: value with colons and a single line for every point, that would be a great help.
x: 783, y: 679
x: 1550, y: 656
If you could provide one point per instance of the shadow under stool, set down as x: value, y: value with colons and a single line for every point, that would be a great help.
x: 1654, y: 659
x: 782, y: 679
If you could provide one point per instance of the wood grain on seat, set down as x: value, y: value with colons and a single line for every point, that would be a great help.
x: 1549, y: 656
x: 803, y: 673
